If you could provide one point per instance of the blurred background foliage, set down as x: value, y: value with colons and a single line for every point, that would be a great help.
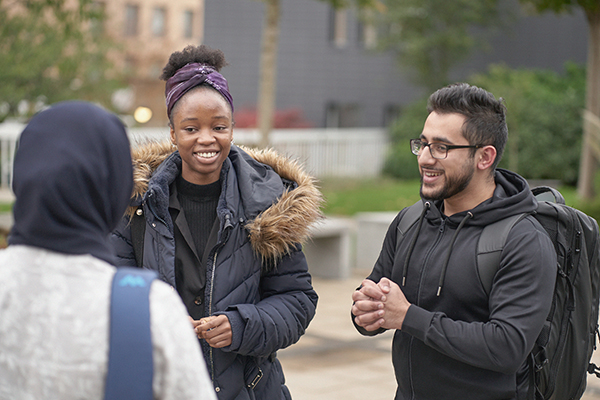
x: 543, y: 116
x: 53, y: 50
x: 431, y: 37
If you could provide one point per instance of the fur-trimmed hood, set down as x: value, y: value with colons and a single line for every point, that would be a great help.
x: 275, y: 230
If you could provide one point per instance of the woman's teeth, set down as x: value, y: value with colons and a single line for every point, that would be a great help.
x: 207, y: 155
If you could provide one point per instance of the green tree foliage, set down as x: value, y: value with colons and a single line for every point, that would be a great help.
x: 52, y: 50
x: 348, y: 3
x: 559, y: 6
x: 430, y: 37
x: 544, y: 119
x: 543, y: 116
x: 400, y: 162
x: 591, y: 8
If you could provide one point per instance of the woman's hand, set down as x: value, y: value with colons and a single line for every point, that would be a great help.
x: 215, y: 329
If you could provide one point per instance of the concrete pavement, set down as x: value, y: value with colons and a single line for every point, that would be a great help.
x: 6, y: 195
x: 334, y: 362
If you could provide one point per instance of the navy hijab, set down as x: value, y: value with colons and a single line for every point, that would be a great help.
x: 72, y: 180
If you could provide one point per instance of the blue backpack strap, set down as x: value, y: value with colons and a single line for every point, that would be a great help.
x: 489, y: 248
x: 130, y: 365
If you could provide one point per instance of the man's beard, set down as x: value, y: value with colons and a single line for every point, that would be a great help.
x: 452, y: 185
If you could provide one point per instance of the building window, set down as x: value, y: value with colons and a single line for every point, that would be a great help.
x: 367, y: 35
x: 158, y: 21
x: 188, y: 24
x: 131, y: 19
x: 341, y: 115
x: 338, y: 27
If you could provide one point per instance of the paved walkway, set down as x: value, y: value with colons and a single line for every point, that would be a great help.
x: 334, y: 362
x: 6, y: 195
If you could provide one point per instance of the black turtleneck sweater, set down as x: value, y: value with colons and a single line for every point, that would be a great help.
x: 199, y: 204
x: 194, y: 219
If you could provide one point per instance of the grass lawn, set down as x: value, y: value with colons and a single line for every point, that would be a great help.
x: 350, y: 196
x: 347, y: 197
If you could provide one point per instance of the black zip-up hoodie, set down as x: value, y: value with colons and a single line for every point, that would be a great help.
x: 462, y: 343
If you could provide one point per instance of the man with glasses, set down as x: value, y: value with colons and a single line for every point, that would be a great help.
x: 454, y: 339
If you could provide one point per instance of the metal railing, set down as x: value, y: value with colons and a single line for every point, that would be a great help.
x: 349, y: 152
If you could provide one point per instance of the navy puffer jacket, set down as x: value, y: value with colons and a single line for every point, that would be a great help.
x: 257, y: 274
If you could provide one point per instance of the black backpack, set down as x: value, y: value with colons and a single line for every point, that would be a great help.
x: 563, y: 350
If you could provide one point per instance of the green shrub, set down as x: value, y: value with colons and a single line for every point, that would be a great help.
x: 544, y: 119
x: 400, y: 162
x: 544, y: 122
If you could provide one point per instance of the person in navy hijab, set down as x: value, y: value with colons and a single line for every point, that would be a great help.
x: 72, y: 180
x: 72, y: 183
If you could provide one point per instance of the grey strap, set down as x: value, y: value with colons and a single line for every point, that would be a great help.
x: 410, y: 217
x: 489, y: 249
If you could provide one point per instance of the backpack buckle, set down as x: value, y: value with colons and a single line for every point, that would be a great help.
x: 593, y: 370
x: 540, y: 359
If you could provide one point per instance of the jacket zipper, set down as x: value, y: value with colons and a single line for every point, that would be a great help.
x: 151, y: 208
x: 212, y: 285
x: 210, y: 305
x: 441, y: 231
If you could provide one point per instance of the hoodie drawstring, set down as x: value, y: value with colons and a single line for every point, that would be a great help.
x: 443, y: 273
x: 414, y: 241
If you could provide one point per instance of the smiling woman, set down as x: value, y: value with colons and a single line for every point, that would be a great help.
x: 223, y: 225
x: 202, y: 131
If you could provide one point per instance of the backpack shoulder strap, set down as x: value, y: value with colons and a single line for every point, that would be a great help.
x: 489, y: 248
x: 138, y: 229
x: 549, y: 194
x: 130, y: 365
x: 410, y: 217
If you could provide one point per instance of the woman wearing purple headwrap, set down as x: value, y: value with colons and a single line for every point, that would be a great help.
x: 223, y: 225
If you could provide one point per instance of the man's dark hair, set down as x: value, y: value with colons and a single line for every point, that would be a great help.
x: 485, y: 122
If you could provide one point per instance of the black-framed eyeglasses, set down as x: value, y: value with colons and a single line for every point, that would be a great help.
x: 438, y: 150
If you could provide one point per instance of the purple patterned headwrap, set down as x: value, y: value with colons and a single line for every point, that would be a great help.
x: 190, y: 76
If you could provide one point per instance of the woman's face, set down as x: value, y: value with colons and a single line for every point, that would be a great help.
x: 202, y: 130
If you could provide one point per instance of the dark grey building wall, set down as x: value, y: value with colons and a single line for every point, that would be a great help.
x: 312, y: 72
x: 544, y: 41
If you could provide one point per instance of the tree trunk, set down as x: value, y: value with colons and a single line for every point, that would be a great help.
x: 268, y: 71
x: 588, y: 165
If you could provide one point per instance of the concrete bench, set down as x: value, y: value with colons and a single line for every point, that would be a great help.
x: 371, y: 228
x: 328, y: 253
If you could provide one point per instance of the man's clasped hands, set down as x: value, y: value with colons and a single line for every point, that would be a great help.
x: 379, y: 305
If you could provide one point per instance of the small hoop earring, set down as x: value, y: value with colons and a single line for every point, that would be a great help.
x: 232, y: 141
